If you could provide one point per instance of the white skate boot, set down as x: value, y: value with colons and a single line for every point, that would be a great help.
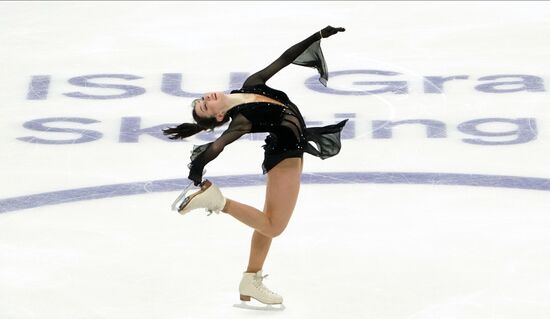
x: 252, y: 287
x: 208, y: 197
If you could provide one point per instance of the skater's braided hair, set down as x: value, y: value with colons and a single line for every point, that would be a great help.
x: 189, y: 129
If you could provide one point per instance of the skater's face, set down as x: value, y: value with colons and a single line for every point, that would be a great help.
x: 210, y: 105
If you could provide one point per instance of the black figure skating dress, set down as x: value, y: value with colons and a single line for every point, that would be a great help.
x: 288, y: 134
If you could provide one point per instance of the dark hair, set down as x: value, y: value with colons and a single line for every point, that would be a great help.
x: 189, y: 129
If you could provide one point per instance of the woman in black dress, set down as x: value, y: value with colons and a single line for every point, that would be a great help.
x: 258, y: 108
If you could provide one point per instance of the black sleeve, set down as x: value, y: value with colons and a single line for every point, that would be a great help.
x: 203, y: 154
x: 288, y: 57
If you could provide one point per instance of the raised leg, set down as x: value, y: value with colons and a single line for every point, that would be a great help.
x: 283, y: 185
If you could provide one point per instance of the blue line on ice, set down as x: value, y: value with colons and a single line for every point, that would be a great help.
x: 169, y: 185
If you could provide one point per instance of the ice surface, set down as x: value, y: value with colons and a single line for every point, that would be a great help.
x: 443, y: 216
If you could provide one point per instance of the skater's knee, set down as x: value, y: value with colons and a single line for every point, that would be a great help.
x: 275, y: 231
x: 275, y: 226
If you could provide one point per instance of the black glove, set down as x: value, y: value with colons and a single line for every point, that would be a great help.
x: 196, y: 176
x: 328, y: 31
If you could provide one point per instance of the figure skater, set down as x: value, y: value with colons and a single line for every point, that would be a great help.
x: 258, y: 108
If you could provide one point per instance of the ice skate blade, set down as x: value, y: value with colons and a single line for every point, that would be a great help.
x: 246, y: 305
x: 177, y: 203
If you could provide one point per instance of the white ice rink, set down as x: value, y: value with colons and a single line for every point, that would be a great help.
x: 437, y: 207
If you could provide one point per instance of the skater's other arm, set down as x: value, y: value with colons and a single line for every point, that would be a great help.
x: 288, y: 56
x: 204, y: 154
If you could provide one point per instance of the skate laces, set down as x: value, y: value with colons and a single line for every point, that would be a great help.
x: 261, y: 286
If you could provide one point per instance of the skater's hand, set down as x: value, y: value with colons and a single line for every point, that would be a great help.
x: 328, y: 31
x: 195, y: 177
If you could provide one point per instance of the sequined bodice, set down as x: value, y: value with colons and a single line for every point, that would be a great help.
x: 282, y: 118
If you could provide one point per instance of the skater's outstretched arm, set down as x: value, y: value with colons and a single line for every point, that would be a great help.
x: 289, y: 56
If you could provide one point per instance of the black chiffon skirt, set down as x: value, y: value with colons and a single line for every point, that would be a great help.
x: 323, y: 142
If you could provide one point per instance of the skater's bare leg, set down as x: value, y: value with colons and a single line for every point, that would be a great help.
x: 248, y: 215
x: 283, y: 185
x: 260, y: 244
x: 282, y: 190
x: 258, y: 251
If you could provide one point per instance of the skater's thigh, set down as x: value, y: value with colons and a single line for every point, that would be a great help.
x: 283, y: 186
